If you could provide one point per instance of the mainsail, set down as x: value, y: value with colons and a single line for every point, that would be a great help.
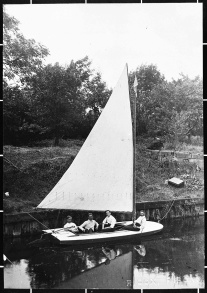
x: 101, y: 175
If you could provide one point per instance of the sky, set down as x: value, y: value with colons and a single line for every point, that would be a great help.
x: 111, y: 35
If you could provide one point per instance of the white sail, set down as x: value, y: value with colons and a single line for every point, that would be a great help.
x: 101, y: 175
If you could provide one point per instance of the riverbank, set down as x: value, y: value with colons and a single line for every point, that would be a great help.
x: 23, y: 224
x: 31, y: 172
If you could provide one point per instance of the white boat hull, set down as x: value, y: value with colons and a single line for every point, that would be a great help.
x: 67, y: 238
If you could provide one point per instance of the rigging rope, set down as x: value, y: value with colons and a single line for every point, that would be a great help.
x: 41, y: 223
x: 167, y: 211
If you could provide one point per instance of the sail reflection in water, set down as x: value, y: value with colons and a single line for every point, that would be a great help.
x: 109, y: 272
x: 174, y: 259
x: 106, y: 267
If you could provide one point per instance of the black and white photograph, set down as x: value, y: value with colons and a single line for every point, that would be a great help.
x: 103, y: 169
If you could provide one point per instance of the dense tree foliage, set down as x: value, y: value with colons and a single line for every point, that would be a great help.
x: 68, y: 100
x: 187, y: 118
x: 54, y: 101
x: 46, y: 101
x: 172, y: 109
x: 148, y: 78
x: 21, y: 57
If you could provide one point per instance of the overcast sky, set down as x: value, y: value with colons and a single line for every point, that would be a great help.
x: 167, y: 35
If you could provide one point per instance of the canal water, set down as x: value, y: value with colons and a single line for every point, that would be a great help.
x: 169, y: 260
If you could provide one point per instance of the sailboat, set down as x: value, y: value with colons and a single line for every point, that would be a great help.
x: 102, y: 175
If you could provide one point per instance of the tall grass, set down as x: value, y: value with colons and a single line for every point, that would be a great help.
x: 194, y: 145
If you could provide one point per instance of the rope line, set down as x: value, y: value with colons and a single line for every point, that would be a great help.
x: 41, y: 223
x: 167, y: 211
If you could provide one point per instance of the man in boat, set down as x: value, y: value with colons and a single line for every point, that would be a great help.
x: 141, y: 221
x: 138, y: 224
x: 109, y: 222
x: 90, y: 225
x: 70, y: 226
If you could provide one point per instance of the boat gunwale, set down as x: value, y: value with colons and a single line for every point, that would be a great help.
x: 114, y: 236
x: 104, y: 240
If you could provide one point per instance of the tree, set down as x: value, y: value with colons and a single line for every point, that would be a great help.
x: 54, y: 95
x: 188, y: 108
x: 173, y: 109
x: 21, y: 57
x: 148, y: 77
x: 188, y: 92
x: 96, y: 95
x: 69, y: 99
x: 159, y: 110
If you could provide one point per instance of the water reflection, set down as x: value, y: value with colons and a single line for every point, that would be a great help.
x: 63, y: 268
x: 174, y: 259
x: 111, y: 252
x: 140, y: 249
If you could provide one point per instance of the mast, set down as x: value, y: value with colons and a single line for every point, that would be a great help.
x: 134, y: 150
x: 134, y: 155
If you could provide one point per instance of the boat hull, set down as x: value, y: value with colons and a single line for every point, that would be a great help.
x: 66, y: 238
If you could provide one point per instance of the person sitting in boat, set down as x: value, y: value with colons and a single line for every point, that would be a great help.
x: 109, y: 222
x: 141, y: 221
x: 90, y: 225
x: 70, y: 226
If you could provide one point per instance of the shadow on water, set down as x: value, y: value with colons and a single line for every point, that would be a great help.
x: 177, y: 252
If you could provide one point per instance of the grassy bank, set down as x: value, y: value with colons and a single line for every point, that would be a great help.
x: 30, y: 173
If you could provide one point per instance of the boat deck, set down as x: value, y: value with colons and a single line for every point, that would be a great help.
x: 65, y: 237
